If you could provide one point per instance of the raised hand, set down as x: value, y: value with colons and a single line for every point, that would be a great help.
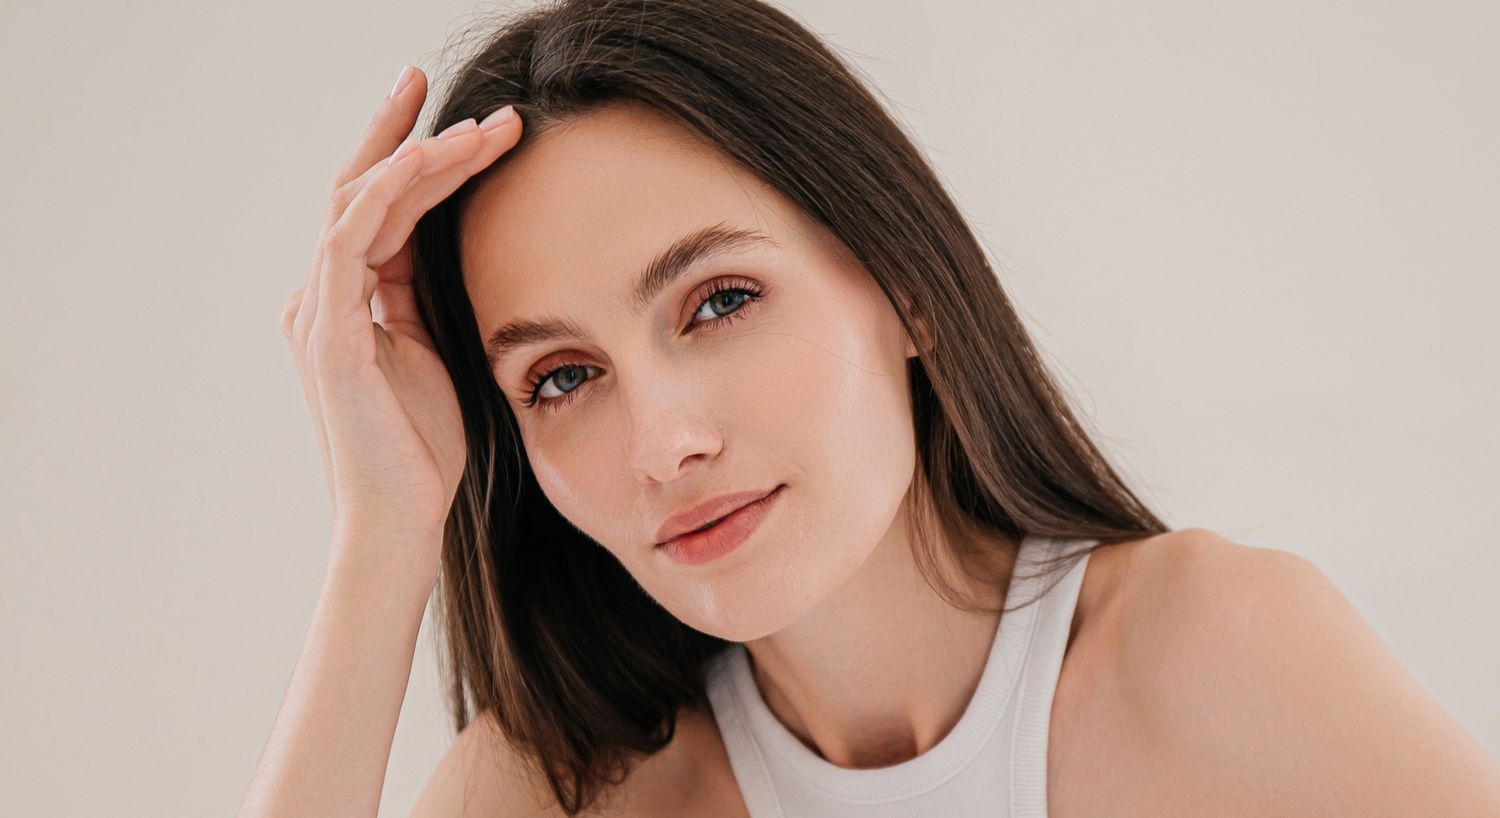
x: 386, y: 412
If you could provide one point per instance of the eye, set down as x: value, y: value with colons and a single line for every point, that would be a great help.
x: 724, y: 300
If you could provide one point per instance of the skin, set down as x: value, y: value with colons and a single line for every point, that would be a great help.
x: 1209, y: 677
x: 1201, y: 677
x: 791, y: 392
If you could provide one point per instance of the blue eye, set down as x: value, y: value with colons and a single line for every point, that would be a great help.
x: 725, y: 296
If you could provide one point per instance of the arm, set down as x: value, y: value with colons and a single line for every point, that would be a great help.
x: 1273, y: 696
x: 331, y: 740
x: 390, y: 430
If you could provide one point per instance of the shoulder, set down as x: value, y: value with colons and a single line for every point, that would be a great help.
x: 1258, y: 681
x: 481, y: 775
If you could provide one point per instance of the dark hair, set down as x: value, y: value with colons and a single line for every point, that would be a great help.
x: 582, y: 670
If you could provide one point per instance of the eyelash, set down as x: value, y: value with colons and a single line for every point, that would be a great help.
x: 749, y: 290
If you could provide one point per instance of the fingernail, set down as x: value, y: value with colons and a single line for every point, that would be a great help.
x: 498, y: 118
x: 402, y: 80
x: 457, y: 128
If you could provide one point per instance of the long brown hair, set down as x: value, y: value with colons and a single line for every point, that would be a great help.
x: 543, y: 628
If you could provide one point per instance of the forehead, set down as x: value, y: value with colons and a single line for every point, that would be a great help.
x: 591, y: 202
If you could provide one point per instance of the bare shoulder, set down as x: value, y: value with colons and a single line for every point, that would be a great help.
x: 480, y: 775
x: 1242, y: 679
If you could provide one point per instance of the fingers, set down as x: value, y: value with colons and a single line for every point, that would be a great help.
x: 393, y: 305
x: 376, y: 204
x: 392, y: 123
x: 446, y: 147
x: 457, y: 142
x: 454, y: 143
x: 454, y: 156
x: 446, y: 169
x: 289, y: 312
x: 344, y: 269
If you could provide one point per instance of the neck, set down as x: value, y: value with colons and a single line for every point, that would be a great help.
x: 881, y: 671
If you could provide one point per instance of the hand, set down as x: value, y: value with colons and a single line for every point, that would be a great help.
x: 386, y: 412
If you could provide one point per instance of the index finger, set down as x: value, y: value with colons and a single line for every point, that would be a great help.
x: 393, y: 122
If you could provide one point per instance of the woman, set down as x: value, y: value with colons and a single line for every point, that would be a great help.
x: 745, y: 491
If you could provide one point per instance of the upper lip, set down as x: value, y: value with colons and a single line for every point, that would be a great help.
x: 707, y: 511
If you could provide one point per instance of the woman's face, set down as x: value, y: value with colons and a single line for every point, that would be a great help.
x: 795, y: 375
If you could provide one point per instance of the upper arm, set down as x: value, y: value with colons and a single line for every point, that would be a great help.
x: 1264, y: 688
x: 480, y: 775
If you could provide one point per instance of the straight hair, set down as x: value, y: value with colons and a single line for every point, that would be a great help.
x: 542, y: 628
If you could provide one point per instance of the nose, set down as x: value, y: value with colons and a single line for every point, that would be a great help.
x: 667, y: 435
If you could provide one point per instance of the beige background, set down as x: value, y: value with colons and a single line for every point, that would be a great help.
x: 1258, y: 241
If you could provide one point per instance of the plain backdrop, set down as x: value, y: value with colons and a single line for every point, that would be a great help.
x: 1258, y: 242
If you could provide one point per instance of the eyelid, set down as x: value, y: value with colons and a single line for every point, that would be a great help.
x: 706, y: 289
x: 537, y: 374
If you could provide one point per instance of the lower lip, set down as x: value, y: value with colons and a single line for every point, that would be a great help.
x: 725, y: 535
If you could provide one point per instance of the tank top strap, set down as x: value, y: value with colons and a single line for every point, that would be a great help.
x: 1034, y: 693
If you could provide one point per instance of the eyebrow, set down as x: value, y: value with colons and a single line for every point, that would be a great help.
x: 666, y: 267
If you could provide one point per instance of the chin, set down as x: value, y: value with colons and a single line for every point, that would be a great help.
x: 757, y: 599
x: 747, y: 627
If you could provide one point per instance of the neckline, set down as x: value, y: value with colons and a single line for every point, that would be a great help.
x: 982, y: 715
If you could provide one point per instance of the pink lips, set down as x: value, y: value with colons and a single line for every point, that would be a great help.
x: 707, y: 545
x: 706, y: 512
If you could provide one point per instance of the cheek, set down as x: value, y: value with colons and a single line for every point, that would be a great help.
x: 572, y: 475
x: 557, y: 474
x: 822, y: 403
x: 826, y: 391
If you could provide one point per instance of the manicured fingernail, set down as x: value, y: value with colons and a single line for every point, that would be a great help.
x: 457, y: 128
x: 498, y: 118
x: 405, y: 151
x: 402, y: 80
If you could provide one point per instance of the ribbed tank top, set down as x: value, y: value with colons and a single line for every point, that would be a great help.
x: 993, y: 763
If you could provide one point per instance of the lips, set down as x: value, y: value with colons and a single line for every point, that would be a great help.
x: 706, y: 513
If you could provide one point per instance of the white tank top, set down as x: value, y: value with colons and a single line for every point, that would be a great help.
x: 993, y: 763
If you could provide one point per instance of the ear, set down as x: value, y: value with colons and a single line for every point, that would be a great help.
x: 924, y: 333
